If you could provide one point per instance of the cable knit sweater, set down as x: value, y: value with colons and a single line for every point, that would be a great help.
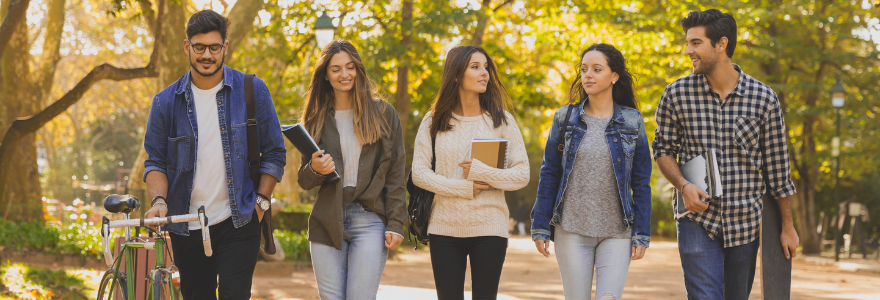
x: 457, y: 212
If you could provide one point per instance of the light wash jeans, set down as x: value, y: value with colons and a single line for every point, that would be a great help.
x: 354, y: 272
x: 577, y: 254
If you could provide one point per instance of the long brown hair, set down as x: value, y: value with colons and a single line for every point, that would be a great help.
x: 494, y: 101
x: 369, y: 109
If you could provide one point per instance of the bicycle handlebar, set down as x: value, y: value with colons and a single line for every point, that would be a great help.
x: 106, y: 225
x: 153, y: 221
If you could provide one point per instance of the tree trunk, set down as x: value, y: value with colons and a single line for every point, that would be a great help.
x: 20, y: 195
x: 172, y: 64
x: 477, y: 39
x: 51, y: 50
x: 401, y: 97
x: 241, y: 18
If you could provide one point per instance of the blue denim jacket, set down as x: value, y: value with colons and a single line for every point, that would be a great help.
x: 172, y: 140
x: 631, y: 158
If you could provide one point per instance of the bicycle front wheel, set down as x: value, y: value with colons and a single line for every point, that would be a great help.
x: 112, y: 288
x: 160, y: 288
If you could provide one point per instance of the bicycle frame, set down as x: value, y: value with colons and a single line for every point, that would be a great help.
x: 128, y: 251
x: 130, y: 245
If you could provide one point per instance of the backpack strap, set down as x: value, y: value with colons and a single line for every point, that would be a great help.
x: 253, y: 143
x: 561, y: 139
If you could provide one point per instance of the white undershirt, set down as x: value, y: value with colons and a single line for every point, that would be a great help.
x: 209, y: 184
x: 350, y: 145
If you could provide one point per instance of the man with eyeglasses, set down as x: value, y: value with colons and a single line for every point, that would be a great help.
x: 198, y: 148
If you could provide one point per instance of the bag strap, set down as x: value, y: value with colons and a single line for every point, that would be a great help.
x: 561, y: 139
x: 253, y: 144
x: 433, y: 153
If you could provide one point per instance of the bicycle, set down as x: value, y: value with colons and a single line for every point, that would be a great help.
x: 114, y: 284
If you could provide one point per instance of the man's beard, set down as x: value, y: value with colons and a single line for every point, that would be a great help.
x: 208, y: 60
x: 706, y: 67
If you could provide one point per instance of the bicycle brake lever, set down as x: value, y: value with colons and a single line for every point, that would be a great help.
x: 105, y: 233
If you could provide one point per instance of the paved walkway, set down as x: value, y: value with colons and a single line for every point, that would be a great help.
x: 528, y: 275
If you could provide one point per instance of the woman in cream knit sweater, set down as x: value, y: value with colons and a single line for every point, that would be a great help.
x: 469, y: 219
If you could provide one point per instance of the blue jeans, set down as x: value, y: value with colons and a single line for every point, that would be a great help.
x: 353, y: 272
x: 578, y: 254
x: 712, y: 271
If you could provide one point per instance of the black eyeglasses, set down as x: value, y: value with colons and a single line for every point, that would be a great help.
x: 200, y: 48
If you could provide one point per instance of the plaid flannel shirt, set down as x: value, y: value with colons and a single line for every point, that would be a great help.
x: 747, y: 132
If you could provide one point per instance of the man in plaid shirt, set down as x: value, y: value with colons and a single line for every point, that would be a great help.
x: 720, y: 107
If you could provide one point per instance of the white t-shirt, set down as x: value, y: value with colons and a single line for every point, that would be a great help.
x: 350, y: 145
x: 209, y: 184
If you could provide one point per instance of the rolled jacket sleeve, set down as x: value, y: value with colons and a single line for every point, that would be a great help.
x: 775, y: 154
x: 155, y: 140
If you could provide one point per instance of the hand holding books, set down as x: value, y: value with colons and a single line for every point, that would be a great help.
x: 490, y: 151
x: 302, y: 140
x: 703, y: 184
x: 695, y: 199
x: 478, y: 185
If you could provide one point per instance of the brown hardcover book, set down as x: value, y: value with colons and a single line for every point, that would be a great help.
x: 492, y: 152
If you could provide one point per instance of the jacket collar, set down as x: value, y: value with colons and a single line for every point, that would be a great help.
x: 617, y: 117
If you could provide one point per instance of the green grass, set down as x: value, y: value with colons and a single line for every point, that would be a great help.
x: 24, y: 282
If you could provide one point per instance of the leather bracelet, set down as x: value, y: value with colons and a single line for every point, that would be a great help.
x: 264, y: 196
x: 153, y: 202
x: 684, y: 185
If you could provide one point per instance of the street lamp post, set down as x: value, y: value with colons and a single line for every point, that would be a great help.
x: 324, y: 30
x: 838, y: 94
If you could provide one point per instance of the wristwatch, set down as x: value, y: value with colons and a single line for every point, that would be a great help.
x: 263, y: 203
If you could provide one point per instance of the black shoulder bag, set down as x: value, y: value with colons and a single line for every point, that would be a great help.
x: 267, y: 241
x: 420, y: 204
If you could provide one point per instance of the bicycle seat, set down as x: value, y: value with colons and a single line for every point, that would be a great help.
x: 121, y: 203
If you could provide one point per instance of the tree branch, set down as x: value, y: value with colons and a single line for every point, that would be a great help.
x: 501, y: 5
x: 15, y: 16
x: 24, y: 126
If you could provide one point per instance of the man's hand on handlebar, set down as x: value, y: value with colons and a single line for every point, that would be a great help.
x: 158, y: 210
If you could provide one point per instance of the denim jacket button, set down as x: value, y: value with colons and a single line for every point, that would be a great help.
x: 618, y: 160
x: 615, y: 140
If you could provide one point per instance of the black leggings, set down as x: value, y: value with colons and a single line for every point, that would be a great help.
x: 449, y: 260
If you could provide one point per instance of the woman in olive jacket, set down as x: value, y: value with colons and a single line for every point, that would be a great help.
x: 359, y: 217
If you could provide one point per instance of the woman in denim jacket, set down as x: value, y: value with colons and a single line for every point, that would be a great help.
x: 594, y: 195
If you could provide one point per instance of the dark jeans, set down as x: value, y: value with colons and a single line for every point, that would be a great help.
x: 449, y: 260
x: 234, y: 260
x: 712, y: 271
